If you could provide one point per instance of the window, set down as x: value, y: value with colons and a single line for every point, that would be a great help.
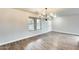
x: 34, y: 24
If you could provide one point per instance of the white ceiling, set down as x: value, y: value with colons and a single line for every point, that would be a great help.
x: 58, y: 11
x: 41, y: 10
x: 34, y: 9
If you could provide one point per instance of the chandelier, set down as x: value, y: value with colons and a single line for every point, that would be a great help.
x: 45, y: 15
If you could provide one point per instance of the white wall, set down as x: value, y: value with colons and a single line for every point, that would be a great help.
x: 66, y: 24
x: 12, y: 20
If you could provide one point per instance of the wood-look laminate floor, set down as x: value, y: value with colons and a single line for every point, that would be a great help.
x: 48, y: 41
x: 54, y: 41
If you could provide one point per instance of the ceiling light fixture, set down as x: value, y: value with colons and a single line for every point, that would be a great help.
x: 44, y: 15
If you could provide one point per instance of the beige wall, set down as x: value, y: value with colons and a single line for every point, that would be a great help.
x: 13, y: 19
